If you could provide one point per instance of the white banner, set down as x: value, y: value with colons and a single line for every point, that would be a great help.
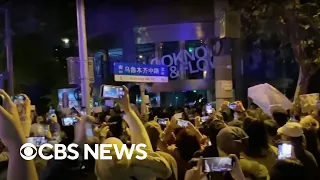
x: 265, y: 95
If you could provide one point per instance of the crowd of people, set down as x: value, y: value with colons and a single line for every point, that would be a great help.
x: 181, y: 143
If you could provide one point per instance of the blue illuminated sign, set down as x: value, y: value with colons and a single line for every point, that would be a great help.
x: 129, y: 72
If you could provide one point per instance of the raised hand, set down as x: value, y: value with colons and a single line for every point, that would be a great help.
x: 124, y: 102
x: 11, y: 132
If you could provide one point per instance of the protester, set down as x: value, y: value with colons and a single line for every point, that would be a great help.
x: 178, y: 140
x: 293, y: 132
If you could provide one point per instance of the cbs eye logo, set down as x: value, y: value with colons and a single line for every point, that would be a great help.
x: 28, y: 151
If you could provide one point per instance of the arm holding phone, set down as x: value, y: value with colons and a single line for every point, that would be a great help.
x: 137, y: 129
x: 195, y: 131
x: 198, y: 172
x: 13, y: 137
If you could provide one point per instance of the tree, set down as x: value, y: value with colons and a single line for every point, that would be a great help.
x: 295, y: 26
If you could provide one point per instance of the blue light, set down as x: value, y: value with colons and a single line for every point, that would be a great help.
x: 176, y: 97
x: 194, y: 91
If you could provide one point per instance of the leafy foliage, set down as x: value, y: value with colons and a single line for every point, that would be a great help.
x: 289, y: 27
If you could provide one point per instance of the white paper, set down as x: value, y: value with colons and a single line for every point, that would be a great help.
x: 264, y: 95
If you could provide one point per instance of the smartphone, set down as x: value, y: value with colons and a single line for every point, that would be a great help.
x: 209, y: 143
x: 217, y: 164
x: 285, y: 150
x: 108, y: 91
x: 162, y: 121
x: 69, y: 121
x: 209, y: 108
x: 204, y: 118
x: 37, y: 141
x: 182, y: 123
x: 89, y: 130
x: 18, y: 99
x: 233, y: 106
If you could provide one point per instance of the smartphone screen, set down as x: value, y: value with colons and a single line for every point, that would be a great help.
x: 285, y: 150
x: 108, y: 91
x: 204, y: 118
x: 182, y: 123
x: 37, y: 141
x: 209, y: 108
x: 217, y: 164
x: 69, y: 121
x: 162, y: 121
x: 233, y: 106
x: 89, y: 130
x: 21, y: 98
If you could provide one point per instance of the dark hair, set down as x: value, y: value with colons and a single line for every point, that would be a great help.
x: 258, y: 137
x: 214, y: 128
x: 312, y: 142
x: 187, y: 145
x: 198, y: 111
x: 271, y: 127
x: 280, y: 118
x: 289, y: 169
x: 116, y: 128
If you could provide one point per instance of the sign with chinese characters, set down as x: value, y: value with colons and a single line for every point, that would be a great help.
x: 129, y: 72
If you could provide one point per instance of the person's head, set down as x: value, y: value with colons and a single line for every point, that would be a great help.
x: 280, y: 117
x: 105, y: 169
x: 290, y: 130
x: 293, y: 132
x: 227, y: 115
x: 184, y: 116
x: 115, y: 126
x: 187, y: 144
x: 154, y: 131
x: 187, y: 110
x: 289, y: 169
x: 258, y: 137
x: 312, y: 141
x: 112, y: 112
x: 308, y: 122
x: 198, y: 112
x: 271, y: 127
x: 214, y: 128
x: 231, y: 140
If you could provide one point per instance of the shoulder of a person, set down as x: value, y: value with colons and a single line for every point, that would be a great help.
x: 310, y: 156
x: 155, y: 163
x: 254, y: 168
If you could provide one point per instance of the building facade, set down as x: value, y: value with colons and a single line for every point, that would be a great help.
x: 187, y: 38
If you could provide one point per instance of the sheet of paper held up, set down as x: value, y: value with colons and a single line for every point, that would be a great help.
x: 264, y: 95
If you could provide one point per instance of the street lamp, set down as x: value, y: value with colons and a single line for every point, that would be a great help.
x: 65, y: 40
